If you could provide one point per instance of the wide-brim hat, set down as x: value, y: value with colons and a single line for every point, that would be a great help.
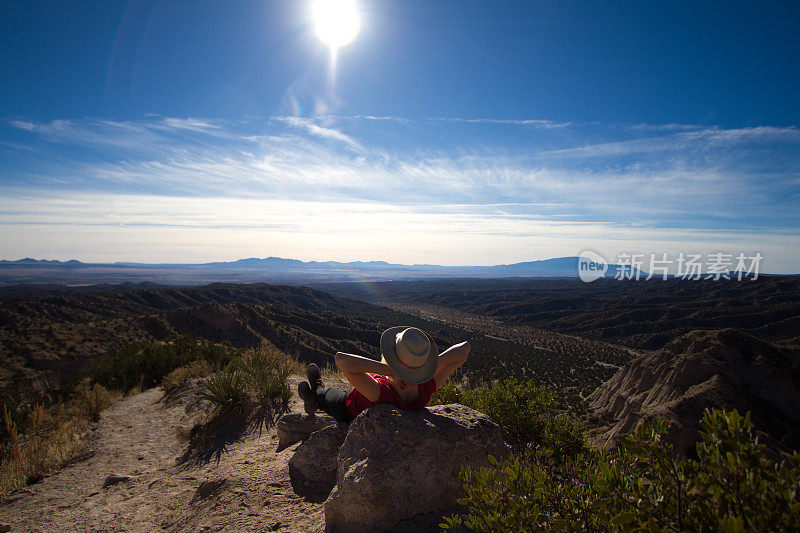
x: 410, y: 352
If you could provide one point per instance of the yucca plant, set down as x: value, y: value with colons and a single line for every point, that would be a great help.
x: 265, y: 370
x: 225, y: 390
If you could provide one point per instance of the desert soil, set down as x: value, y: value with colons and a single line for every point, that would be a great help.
x: 136, y: 437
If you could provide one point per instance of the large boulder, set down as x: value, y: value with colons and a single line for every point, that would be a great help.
x: 726, y: 369
x: 313, y: 467
x: 397, y: 467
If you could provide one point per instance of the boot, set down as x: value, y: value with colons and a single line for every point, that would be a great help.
x: 314, y: 377
x: 308, y: 396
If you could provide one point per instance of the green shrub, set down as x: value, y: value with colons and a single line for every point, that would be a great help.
x: 526, y: 411
x: 146, y: 363
x: 447, y: 393
x: 643, y: 486
x: 520, y: 407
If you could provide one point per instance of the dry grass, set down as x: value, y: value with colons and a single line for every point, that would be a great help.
x: 179, y: 376
x: 331, y: 373
x: 52, y: 437
x: 92, y: 399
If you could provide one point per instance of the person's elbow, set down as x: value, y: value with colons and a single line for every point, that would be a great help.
x: 465, y: 348
x: 339, y: 359
x: 461, y: 353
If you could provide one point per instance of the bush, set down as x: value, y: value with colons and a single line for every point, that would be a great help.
x: 265, y: 370
x: 447, y: 393
x: 146, y: 363
x: 93, y: 398
x: 526, y: 411
x: 643, y: 486
x: 258, y: 376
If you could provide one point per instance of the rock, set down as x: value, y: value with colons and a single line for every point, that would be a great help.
x: 313, y: 466
x: 397, y: 465
x: 207, y: 488
x: 34, y: 478
x: 726, y: 369
x: 115, y: 479
x: 296, y: 427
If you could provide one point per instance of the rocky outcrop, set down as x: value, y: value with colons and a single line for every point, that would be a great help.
x: 400, y: 466
x: 704, y: 369
x: 296, y: 427
x: 312, y: 468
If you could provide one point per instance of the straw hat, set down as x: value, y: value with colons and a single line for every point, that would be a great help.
x: 410, y: 352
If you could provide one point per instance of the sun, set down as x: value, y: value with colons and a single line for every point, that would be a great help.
x: 336, y: 22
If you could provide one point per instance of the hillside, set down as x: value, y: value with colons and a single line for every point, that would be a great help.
x: 639, y: 314
x: 723, y: 369
x: 49, y: 340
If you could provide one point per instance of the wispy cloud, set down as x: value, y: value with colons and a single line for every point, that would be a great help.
x: 314, y: 128
x: 537, y: 123
x: 542, y: 179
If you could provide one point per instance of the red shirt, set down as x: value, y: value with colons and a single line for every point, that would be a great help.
x: 357, y: 402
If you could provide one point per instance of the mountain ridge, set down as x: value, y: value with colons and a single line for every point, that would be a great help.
x: 272, y: 269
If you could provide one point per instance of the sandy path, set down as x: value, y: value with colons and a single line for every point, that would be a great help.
x: 136, y: 437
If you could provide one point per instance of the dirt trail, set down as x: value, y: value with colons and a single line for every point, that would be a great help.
x: 136, y: 437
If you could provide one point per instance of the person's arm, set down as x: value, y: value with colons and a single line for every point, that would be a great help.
x: 355, y: 368
x: 449, y: 360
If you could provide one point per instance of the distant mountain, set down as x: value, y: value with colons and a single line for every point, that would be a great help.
x: 36, y: 262
x: 272, y: 269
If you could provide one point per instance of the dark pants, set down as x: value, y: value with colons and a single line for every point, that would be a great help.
x: 331, y: 400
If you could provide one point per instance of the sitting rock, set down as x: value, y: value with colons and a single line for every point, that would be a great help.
x: 395, y: 466
x: 313, y: 466
x: 296, y: 427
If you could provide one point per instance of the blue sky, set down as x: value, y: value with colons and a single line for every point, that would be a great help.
x: 450, y: 132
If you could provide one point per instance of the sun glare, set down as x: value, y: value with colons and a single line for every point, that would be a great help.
x: 336, y: 22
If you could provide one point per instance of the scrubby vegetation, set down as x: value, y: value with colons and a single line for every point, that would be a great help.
x: 527, y: 411
x: 642, y: 486
x: 247, y: 393
x: 45, y: 438
x: 145, y: 364
x: 175, y: 379
x: 258, y: 376
x: 40, y: 438
x: 265, y: 370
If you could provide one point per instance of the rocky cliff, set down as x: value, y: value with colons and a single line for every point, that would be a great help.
x: 704, y: 369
